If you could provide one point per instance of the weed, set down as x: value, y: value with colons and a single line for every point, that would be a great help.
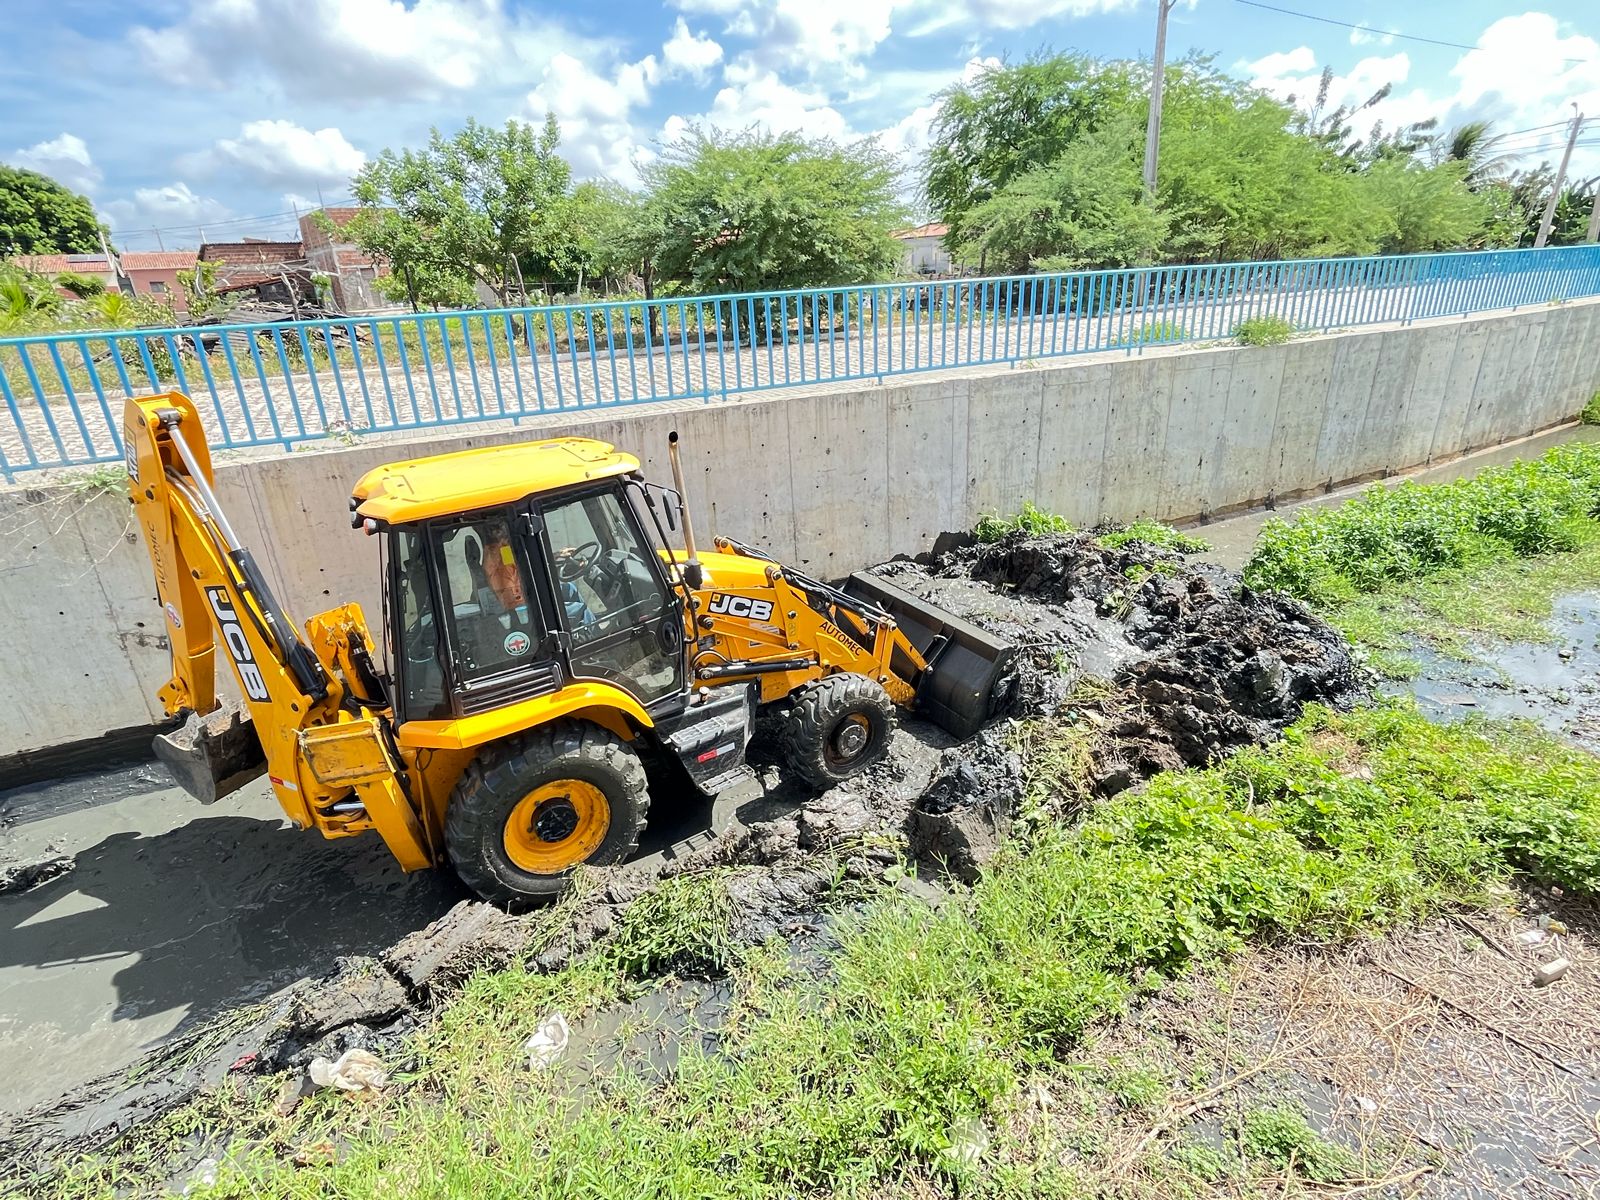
x: 111, y: 478
x: 1269, y: 330
x: 1591, y: 411
x: 1153, y: 533
x: 1282, y: 1137
x: 679, y: 927
x: 1032, y: 520
x: 1206, y: 1163
x: 1153, y: 333
x: 1330, y: 555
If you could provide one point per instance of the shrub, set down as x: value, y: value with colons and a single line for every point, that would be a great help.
x: 1269, y: 330
x: 1032, y: 520
x: 1591, y: 411
x: 1405, y: 532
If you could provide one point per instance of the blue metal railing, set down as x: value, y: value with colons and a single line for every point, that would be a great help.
x: 296, y: 381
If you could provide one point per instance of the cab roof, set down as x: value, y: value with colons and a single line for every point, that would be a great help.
x: 443, y: 484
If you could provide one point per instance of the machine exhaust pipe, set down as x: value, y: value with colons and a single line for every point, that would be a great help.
x: 214, y: 755
x: 693, y: 575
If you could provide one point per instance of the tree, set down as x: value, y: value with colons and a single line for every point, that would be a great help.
x: 1473, y: 145
x: 1085, y: 208
x: 1018, y: 116
x: 39, y: 216
x: 755, y: 211
x: 600, y: 234
x: 1425, y: 208
x: 464, y: 208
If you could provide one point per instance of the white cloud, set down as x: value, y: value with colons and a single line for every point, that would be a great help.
x: 804, y: 35
x: 1008, y: 14
x: 1523, y: 74
x: 65, y: 159
x: 1362, y: 36
x: 349, y: 49
x: 690, y: 54
x: 281, y: 152
x: 175, y: 204
x: 755, y: 96
x: 595, y: 112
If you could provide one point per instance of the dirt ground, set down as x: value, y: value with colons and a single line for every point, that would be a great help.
x: 1429, y: 1055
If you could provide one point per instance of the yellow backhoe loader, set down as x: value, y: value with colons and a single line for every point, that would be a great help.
x: 542, y: 639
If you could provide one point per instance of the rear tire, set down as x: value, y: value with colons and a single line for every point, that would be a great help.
x: 528, y: 810
x: 836, y: 728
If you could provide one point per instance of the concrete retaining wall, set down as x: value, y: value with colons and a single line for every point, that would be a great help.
x: 829, y: 480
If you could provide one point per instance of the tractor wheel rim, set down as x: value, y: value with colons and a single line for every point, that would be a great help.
x: 850, y: 738
x: 556, y: 826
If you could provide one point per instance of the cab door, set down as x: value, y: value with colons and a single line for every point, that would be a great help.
x: 620, y: 617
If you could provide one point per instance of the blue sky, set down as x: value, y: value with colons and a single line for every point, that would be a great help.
x: 226, y: 115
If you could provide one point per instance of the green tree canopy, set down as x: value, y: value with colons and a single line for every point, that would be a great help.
x: 39, y: 216
x: 464, y: 208
x: 745, y: 211
x: 1424, y: 208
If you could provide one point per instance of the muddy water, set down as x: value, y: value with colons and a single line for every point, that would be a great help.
x: 172, y: 914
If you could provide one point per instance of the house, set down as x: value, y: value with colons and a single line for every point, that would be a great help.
x: 134, y: 272
x: 349, y: 270
x: 155, y: 273
x: 267, y: 271
x: 924, y: 251
x: 91, y: 266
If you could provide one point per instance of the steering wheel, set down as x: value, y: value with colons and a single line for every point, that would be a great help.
x: 578, y: 562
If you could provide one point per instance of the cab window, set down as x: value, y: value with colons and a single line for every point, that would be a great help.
x: 420, y: 648
x: 486, y: 591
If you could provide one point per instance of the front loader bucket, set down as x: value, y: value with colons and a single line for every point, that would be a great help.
x: 969, y: 671
x: 213, y: 755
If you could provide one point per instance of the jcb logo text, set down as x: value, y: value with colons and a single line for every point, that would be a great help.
x: 255, y: 687
x: 740, y: 606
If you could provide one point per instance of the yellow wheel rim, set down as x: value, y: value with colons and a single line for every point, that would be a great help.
x: 556, y: 826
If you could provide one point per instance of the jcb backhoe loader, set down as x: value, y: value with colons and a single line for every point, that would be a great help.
x: 541, y: 638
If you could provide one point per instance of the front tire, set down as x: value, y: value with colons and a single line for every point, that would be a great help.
x: 836, y: 728
x: 527, y: 811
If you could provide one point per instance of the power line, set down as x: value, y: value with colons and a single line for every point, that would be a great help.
x: 289, y: 214
x: 1393, y: 33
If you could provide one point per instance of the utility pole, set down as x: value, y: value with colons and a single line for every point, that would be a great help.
x: 1561, y: 178
x: 159, y: 243
x: 1152, y: 134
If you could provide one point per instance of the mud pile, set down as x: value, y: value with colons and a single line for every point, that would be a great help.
x: 1184, y: 664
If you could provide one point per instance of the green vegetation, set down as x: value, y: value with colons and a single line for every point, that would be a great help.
x: 1155, y: 534
x: 1282, y: 1137
x: 1152, y: 332
x: 1591, y: 411
x: 40, y: 216
x: 1330, y: 555
x: 901, y: 1066
x: 753, y: 211
x: 1032, y: 520
x: 1269, y: 330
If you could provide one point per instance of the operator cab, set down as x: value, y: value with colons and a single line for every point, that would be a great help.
x: 504, y: 604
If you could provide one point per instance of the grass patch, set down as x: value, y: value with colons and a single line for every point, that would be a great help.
x: 1150, y: 333
x: 901, y: 1070
x: 1510, y: 600
x: 1388, y: 535
x: 1032, y: 520
x: 1268, y: 330
x: 1154, y: 533
x: 1282, y: 1137
x: 1591, y: 411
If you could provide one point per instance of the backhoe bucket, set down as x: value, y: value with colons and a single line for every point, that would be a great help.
x: 969, y: 674
x: 214, y: 755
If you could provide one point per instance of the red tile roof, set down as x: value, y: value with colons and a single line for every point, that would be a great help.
x: 937, y: 229
x: 54, y: 264
x: 158, y: 260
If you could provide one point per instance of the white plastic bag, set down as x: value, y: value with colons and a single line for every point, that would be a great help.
x: 356, y: 1071
x: 548, y: 1042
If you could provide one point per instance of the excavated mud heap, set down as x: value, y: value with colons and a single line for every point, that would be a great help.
x: 1214, y: 665
x: 1192, y: 665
